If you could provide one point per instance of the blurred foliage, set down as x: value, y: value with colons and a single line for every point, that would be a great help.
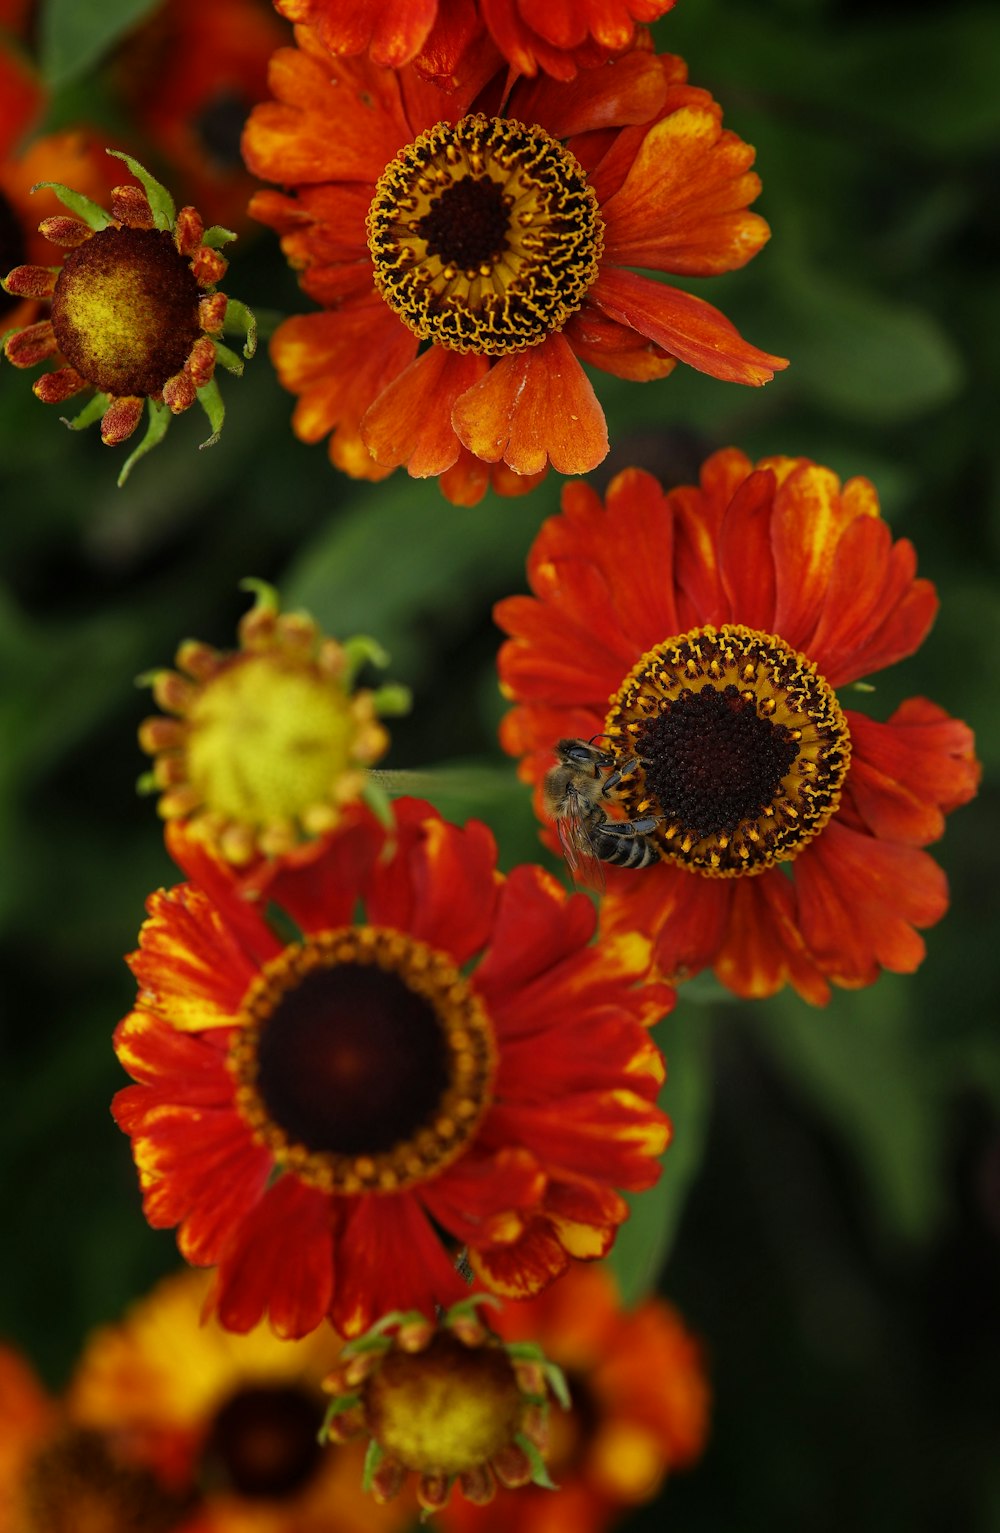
x: 830, y: 1211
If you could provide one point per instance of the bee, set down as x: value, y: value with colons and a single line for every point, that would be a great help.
x: 574, y: 792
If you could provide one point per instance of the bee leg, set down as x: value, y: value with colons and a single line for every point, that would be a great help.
x: 628, y: 829
x: 624, y: 769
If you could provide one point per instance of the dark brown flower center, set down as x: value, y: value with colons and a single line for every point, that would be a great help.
x: 742, y: 748
x: 125, y: 310
x: 76, y: 1485
x: 263, y: 1443
x: 218, y: 127
x: 366, y: 1062
x: 485, y: 235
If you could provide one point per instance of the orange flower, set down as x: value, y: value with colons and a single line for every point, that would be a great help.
x: 190, y: 75
x: 556, y: 39
x: 59, y: 1476
x: 469, y: 261
x: 639, y: 1403
x: 703, y: 631
x: 440, y: 1059
x: 238, y: 1414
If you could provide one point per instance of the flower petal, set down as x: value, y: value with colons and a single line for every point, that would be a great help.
x: 390, y: 1258
x: 682, y: 206
x: 763, y: 948
x: 907, y: 773
x: 399, y: 428
x: 686, y: 327
x: 860, y: 900
x: 533, y: 408
x: 279, y: 1262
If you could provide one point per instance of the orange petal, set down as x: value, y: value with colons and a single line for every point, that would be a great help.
x: 533, y: 408
x: 907, y: 773
x: 410, y: 421
x: 682, y: 206
x: 616, y: 349
x: 860, y: 900
x: 686, y: 327
x: 627, y: 90
x: 763, y: 948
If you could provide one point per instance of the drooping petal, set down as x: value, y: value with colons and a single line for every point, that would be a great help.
x: 280, y: 1263
x: 398, y: 428
x: 616, y: 349
x: 533, y: 408
x: 763, y: 948
x: 686, y: 327
x: 907, y: 773
x: 860, y: 900
x: 683, y: 205
x: 390, y: 1258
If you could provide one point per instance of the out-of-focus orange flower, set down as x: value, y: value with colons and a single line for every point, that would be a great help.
x: 237, y: 1416
x: 441, y: 1059
x: 639, y: 1407
x: 557, y: 39
x: 704, y: 631
x: 473, y: 249
x: 190, y: 75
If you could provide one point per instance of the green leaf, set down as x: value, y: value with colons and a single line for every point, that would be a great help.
x: 76, y: 33
x: 217, y: 236
x: 228, y: 359
x: 863, y: 354
x: 861, y: 1062
x: 240, y: 320
x: 644, y: 1241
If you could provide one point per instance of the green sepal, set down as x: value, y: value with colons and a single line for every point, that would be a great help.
x: 378, y: 802
x: 147, y: 784
x: 91, y: 412
x: 463, y: 1308
x: 862, y: 686
x: 217, y: 236
x: 262, y: 591
x: 373, y: 1458
x: 539, y: 1473
x: 211, y: 402
x: 93, y: 215
x: 359, y: 649
x: 240, y: 320
x: 159, y: 420
x: 160, y: 200
x: 392, y: 700
x: 556, y: 1380
x: 228, y: 359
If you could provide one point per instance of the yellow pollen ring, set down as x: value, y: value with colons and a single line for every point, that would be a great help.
x: 485, y: 235
x: 469, y: 1047
x: 786, y: 709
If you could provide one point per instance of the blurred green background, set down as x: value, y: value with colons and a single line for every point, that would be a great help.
x: 829, y: 1218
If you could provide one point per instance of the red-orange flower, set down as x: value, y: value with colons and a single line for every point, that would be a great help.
x: 639, y: 1404
x: 190, y: 75
x: 558, y: 39
x: 472, y: 250
x: 704, y: 631
x: 330, y: 1119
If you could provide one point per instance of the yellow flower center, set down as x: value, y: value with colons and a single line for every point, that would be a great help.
x: 365, y: 1060
x: 125, y: 310
x: 485, y: 235
x: 743, y: 749
x: 267, y: 738
x: 444, y: 1410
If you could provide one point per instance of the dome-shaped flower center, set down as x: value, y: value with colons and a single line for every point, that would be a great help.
x: 74, y: 1485
x: 743, y: 749
x: 125, y: 310
x: 12, y: 249
x: 263, y: 1443
x: 366, y: 1060
x: 444, y: 1410
x: 485, y: 235
x: 267, y: 738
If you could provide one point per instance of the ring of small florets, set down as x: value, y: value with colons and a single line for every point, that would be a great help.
x: 742, y: 749
x: 485, y: 235
x: 363, y: 1059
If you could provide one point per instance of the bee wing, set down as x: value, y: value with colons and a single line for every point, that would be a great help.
x: 574, y: 838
